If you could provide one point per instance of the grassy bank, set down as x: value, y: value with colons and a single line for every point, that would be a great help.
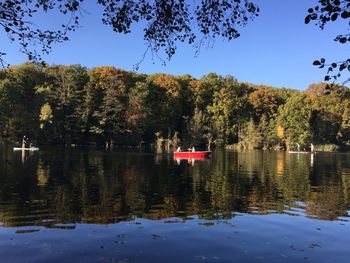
x: 317, y: 148
x: 327, y: 148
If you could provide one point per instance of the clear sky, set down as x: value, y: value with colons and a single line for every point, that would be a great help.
x: 275, y: 49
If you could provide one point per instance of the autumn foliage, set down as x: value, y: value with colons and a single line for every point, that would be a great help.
x: 106, y: 105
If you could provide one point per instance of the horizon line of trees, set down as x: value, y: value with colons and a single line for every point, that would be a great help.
x: 104, y: 105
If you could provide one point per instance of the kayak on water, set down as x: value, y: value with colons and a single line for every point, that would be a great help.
x: 25, y: 149
x: 202, y: 154
x: 300, y: 152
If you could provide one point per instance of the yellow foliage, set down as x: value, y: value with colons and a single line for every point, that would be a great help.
x: 169, y: 83
x: 104, y: 71
x: 280, y: 132
x: 100, y: 76
x: 45, y: 114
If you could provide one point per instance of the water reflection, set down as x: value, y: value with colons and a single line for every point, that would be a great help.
x: 54, y: 187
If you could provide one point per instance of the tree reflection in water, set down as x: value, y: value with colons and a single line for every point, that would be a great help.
x: 72, y: 186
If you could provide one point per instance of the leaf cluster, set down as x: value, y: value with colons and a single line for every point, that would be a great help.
x: 330, y: 11
x: 16, y: 19
x: 165, y: 22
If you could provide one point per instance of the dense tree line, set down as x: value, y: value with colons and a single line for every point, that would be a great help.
x: 104, y: 105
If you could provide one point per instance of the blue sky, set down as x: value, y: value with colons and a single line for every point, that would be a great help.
x: 275, y: 49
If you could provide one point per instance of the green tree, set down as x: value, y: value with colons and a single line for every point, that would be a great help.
x: 198, y: 128
x: 203, y: 90
x: 110, y: 114
x: 345, y: 125
x: 328, y: 111
x: 250, y: 136
x: 230, y: 109
x: 169, y: 106
x: 65, y: 92
x: 295, y: 118
x: 265, y: 101
x: 138, y: 114
x: 19, y: 103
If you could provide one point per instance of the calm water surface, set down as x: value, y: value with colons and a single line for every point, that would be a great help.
x: 95, y: 206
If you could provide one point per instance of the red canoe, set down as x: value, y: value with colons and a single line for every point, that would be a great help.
x: 188, y: 155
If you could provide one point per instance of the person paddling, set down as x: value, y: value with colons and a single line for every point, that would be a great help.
x: 24, y: 141
x: 312, y: 147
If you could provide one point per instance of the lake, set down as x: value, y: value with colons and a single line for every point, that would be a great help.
x: 70, y: 205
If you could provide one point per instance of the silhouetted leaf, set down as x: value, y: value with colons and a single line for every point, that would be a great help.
x: 343, y: 40
x: 334, y: 16
x: 307, y: 19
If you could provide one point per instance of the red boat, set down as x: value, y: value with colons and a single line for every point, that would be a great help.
x: 194, y: 155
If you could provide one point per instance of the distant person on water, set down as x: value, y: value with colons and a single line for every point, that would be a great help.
x: 24, y: 141
x: 312, y: 147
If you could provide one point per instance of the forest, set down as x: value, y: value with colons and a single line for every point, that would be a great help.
x: 74, y: 105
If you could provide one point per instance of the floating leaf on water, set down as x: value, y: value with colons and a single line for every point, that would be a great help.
x: 313, y: 245
x: 157, y: 236
x: 27, y: 231
x: 173, y: 221
x: 207, y: 224
x: 66, y: 227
